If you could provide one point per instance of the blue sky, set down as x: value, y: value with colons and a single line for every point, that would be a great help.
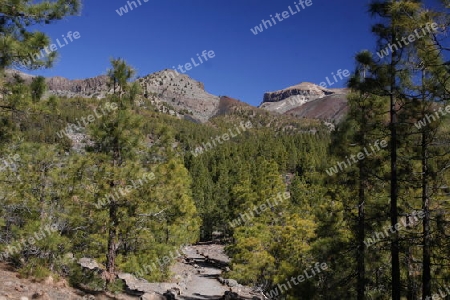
x: 159, y: 34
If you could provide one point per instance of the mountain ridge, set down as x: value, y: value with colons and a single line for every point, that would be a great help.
x: 184, y: 97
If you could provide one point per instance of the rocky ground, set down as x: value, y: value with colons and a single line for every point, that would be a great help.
x: 13, y: 287
x: 197, y: 276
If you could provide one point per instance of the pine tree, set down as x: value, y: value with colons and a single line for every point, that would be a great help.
x: 392, y: 80
x: 433, y: 81
x: 399, y: 76
x: 117, y: 137
x: 360, y: 130
x: 38, y: 88
x: 119, y: 75
x: 30, y: 207
x: 18, y: 44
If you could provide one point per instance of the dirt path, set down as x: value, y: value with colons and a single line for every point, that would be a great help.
x: 201, y: 274
x: 203, y: 280
x: 197, y: 276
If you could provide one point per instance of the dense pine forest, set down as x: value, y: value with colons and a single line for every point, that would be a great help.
x: 358, y: 212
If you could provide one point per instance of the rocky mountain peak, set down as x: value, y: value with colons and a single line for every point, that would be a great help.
x: 308, y: 100
x: 181, y: 93
x: 308, y: 90
x: 294, y: 96
x: 307, y: 86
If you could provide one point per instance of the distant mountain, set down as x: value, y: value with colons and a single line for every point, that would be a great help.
x: 96, y: 87
x: 179, y: 95
x: 308, y: 100
x: 182, y: 93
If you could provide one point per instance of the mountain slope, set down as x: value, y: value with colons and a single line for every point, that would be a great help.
x: 181, y: 96
x: 96, y: 87
x: 331, y: 108
x: 182, y: 93
x: 307, y: 100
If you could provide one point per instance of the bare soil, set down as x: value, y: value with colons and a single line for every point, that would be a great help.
x: 197, y: 277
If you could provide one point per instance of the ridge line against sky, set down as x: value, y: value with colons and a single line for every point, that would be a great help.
x: 161, y: 34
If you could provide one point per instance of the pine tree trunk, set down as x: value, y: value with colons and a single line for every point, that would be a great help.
x: 361, y: 217
x: 426, y: 275
x: 361, y: 245
x: 112, y: 242
x: 410, y: 294
x: 395, y: 272
x: 395, y: 251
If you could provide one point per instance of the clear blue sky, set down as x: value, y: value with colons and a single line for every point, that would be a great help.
x: 159, y: 34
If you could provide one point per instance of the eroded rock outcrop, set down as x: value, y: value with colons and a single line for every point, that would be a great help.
x: 89, y: 87
x: 308, y: 90
x: 181, y: 93
x: 308, y: 100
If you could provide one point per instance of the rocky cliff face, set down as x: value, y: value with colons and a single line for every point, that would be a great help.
x: 182, y: 96
x: 171, y: 92
x: 307, y: 90
x: 307, y: 100
x: 96, y: 87
x: 91, y: 87
x: 181, y: 93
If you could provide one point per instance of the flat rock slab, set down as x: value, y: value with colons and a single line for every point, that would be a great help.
x: 144, y: 286
x: 196, y: 277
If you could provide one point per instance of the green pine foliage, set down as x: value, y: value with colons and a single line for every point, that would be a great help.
x: 129, y: 190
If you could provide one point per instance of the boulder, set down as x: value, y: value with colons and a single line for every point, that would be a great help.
x: 232, y: 282
x: 89, y: 263
x: 135, y: 286
x: 152, y: 296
